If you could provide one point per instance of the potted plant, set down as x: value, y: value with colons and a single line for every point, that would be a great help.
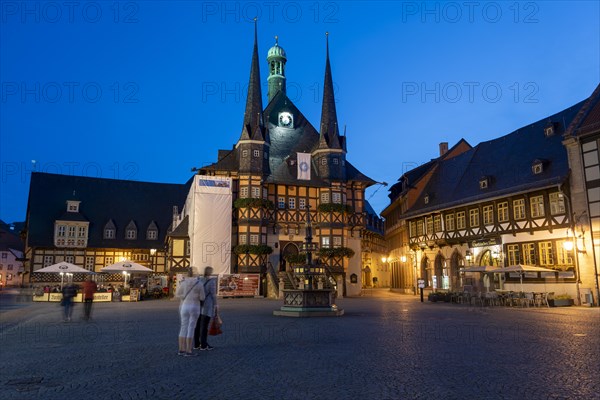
x: 561, y: 300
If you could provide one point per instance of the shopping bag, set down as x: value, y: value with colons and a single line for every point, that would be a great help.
x: 215, y: 328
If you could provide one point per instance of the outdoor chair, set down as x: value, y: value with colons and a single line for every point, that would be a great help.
x: 494, y: 299
x: 548, y: 296
x: 529, y: 299
x: 477, y: 298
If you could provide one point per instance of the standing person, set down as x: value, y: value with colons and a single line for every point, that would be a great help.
x: 208, y: 310
x: 190, y: 292
x: 68, y: 293
x: 89, y: 288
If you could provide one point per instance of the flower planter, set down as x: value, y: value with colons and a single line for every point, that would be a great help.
x: 561, y: 302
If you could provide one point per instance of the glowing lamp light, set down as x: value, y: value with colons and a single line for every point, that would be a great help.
x: 403, y: 259
x: 568, y: 245
x: 468, y: 255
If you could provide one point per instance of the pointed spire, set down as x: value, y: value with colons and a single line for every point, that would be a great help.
x: 329, y: 129
x: 253, y: 127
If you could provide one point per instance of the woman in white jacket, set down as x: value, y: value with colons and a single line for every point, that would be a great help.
x: 190, y: 291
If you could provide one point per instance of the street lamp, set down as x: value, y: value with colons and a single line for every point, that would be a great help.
x: 152, y: 258
x: 573, y: 222
x: 125, y: 275
x: 468, y: 257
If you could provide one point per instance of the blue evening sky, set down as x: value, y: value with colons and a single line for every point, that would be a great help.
x: 146, y: 90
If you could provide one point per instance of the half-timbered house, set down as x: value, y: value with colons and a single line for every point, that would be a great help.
x: 95, y: 222
x: 500, y: 203
x: 582, y: 141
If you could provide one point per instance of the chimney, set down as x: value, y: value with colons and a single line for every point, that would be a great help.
x: 175, y: 218
x: 443, y: 148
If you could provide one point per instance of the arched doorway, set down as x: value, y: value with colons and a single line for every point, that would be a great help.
x: 289, y: 249
x: 486, y: 258
x: 487, y: 279
x: 366, y: 277
x: 456, y: 262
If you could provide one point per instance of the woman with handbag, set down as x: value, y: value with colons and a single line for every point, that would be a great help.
x: 208, y: 310
x: 190, y: 292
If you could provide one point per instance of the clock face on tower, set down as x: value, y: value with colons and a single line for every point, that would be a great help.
x: 286, y: 120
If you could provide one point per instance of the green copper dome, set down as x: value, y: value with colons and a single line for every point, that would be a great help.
x: 276, y: 51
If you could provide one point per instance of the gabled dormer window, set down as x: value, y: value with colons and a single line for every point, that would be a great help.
x: 109, y: 230
x: 131, y: 231
x: 152, y: 231
x: 549, y: 129
x: 484, y: 182
x: 73, y: 206
x: 537, y: 167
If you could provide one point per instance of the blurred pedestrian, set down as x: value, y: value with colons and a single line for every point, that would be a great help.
x: 89, y: 288
x: 68, y: 294
x: 208, y: 310
x: 190, y: 292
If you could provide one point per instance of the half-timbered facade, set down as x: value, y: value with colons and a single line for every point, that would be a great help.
x: 376, y: 269
x: 582, y: 141
x: 95, y: 222
x: 282, y: 168
x: 500, y: 203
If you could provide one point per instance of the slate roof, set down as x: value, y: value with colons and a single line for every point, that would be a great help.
x: 9, y: 239
x: 374, y: 222
x: 102, y: 200
x: 182, y: 228
x: 414, y: 175
x: 588, y: 118
x: 505, y: 161
x: 285, y: 143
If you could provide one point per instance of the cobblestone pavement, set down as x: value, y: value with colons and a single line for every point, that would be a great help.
x: 387, y: 346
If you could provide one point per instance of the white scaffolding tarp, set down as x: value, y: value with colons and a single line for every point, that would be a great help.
x: 208, y: 206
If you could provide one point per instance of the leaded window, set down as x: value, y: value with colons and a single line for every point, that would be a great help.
x: 557, y: 203
x: 513, y: 254
x: 474, y: 217
x: 460, y: 220
x: 437, y: 223
x: 537, y: 206
x: 503, y: 211
x: 450, y: 222
x: 546, y: 257
x: 519, y: 208
x: 529, y: 253
x: 488, y: 215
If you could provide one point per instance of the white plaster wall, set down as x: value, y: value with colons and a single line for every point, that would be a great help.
x: 354, y: 267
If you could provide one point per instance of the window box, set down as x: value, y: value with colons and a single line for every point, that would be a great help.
x: 335, y: 207
x: 258, y: 249
x: 246, y: 202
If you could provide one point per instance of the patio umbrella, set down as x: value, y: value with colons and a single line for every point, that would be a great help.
x: 126, y: 265
x: 521, y: 269
x: 479, y: 268
x: 484, y: 269
x: 63, y: 268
